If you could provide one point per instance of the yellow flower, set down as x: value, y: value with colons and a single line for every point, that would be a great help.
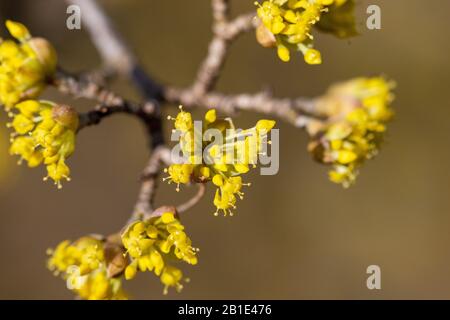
x: 153, y: 243
x: 44, y: 133
x: 171, y: 277
x: 83, y: 265
x: 180, y: 174
x: 357, y: 112
x: 25, y: 66
x: 290, y: 23
x: 224, y: 162
x: 313, y: 56
x: 97, y: 286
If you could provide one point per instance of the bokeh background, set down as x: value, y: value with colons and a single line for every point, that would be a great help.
x: 296, y: 235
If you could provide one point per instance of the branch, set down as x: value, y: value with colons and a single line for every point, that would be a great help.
x: 144, y: 207
x: 117, y: 55
x: 296, y: 111
x: 225, y: 33
x: 241, y: 24
x: 144, y: 204
x: 194, y: 200
x: 111, y: 46
x: 84, y: 87
x: 220, y: 10
x: 108, y: 102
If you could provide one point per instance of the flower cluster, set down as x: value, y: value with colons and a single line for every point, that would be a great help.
x: 24, y: 66
x: 84, y: 266
x: 287, y: 24
x: 223, y: 162
x: 44, y: 133
x: 152, y: 244
x: 358, y: 111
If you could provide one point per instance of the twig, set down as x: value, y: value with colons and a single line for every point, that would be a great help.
x: 209, y: 70
x: 296, y: 111
x: 84, y: 87
x: 239, y: 25
x: 113, y: 50
x: 194, y: 200
x: 144, y: 204
x: 117, y: 55
x: 224, y: 34
x: 220, y: 10
x: 108, y: 102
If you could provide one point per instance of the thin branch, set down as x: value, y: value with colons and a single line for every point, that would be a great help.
x: 108, y: 102
x: 211, y: 67
x: 296, y: 111
x: 144, y: 204
x: 220, y: 10
x: 239, y: 25
x: 194, y: 200
x: 116, y: 54
x: 111, y: 46
x: 84, y: 87
x: 224, y: 34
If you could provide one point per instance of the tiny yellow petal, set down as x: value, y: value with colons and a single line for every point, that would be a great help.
x: 211, y: 116
x: 283, y: 53
x: 167, y: 217
x: 313, y: 56
x: 17, y: 30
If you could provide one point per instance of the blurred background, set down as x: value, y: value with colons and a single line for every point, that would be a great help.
x: 296, y: 235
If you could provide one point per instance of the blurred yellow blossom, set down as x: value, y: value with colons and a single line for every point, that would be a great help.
x: 357, y: 112
x: 287, y: 24
x: 339, y: 20
x: 84, y: 267
x: 25, y: 66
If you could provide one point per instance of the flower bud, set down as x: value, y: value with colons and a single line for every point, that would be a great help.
x: 265, y: 37
x: 313, y: 56
x: 66, y: 116
x: 283, y: 53
x: 115, y: 259
x: 17, y: 30
x: 45, y: 52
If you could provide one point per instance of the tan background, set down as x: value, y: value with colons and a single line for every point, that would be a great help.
x: 296, y: 235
